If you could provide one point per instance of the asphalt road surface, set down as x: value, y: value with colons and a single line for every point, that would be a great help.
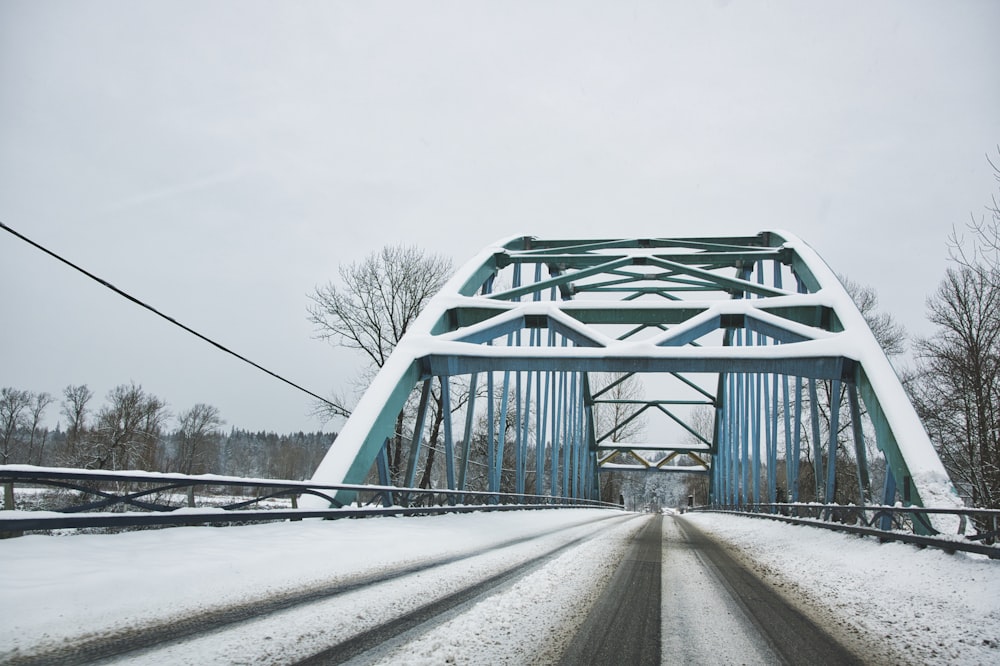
x: 679, y: 597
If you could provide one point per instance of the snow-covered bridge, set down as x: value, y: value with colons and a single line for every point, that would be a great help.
x: 756, y: 331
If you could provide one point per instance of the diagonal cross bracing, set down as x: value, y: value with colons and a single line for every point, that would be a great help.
x: 755, y: 329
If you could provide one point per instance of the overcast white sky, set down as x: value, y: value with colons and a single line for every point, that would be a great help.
x: 220, y: 159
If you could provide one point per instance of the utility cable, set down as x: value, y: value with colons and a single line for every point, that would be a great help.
x: 168, y: 318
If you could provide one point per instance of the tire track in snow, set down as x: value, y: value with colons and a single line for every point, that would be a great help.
x: 393, y: 632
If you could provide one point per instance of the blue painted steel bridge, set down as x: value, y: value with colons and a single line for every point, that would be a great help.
x: 744, y: 357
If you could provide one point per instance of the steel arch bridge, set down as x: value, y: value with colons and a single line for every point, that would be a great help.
x: 756, y: 331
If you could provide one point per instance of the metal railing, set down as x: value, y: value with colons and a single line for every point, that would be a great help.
x: 977, y: 529
x: 56, y: 498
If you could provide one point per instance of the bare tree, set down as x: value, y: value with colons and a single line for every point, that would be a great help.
x: 617, y: 414
x: 889, y: 333
x: 958, y: 389
x: 978, y: 247
x: 485, y: 434
x: 75, y: 409
x: 377, y: 301
x: 39, y: 403
x: 197, y: 438
x: 14, y: 408
x: 696, y: 486
x: 460, y: 395
x: 128, y: 429
x: 380, y: 298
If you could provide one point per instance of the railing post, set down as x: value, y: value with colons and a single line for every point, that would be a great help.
x: 8, y: 504
x: 888, y: 498
x: 382, y: 464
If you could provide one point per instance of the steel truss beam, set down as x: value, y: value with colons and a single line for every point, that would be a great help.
x: 756, y: 328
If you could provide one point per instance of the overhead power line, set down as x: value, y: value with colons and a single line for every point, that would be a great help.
x: 173, y: 321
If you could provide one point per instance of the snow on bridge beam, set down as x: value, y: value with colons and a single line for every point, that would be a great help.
x: 673, y: 469
x: 652, y: 446
x: 575, y: 359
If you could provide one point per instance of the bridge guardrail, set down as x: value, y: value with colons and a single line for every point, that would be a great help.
x: 977, y: 532
x: 74, y: 498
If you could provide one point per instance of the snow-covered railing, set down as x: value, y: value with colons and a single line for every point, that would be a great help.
x: 47, y: 498
x: 978, y: 531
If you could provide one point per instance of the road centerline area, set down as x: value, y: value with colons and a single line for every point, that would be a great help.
x: 678, y: 597
x: 717, y: 611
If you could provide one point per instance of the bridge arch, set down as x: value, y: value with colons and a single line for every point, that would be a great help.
x: 757, y: 329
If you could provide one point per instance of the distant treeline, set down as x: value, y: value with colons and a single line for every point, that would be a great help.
x: 133, y: 430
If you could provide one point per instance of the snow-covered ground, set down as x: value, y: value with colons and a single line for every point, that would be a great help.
x: 907, y: 605
x: 917, y: 606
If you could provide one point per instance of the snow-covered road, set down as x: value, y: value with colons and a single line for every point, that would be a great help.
x: 895, y: 602
x: 91, y: 591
